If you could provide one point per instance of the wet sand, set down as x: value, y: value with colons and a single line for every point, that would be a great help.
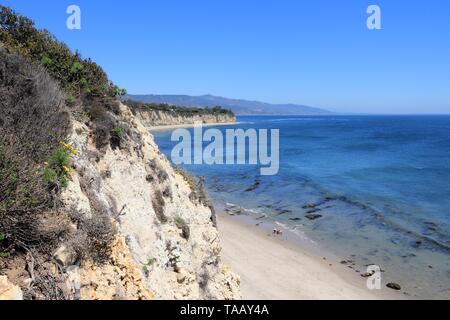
x: 273, y: 268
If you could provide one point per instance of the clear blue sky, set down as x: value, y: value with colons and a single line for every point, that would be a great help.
x: 314, y: 52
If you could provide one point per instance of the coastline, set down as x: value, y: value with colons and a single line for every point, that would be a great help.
x: 274, y: 268
x: 190, y: 125
x: 347, y: 263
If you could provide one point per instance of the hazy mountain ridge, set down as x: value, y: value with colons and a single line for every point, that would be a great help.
x: 238, y: 106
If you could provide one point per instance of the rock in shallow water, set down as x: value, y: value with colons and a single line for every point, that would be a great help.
x: 367, y: 274
x: 313, y: 216
x: 394, y: 286
x: 253, y: 186
x: 309, y: 206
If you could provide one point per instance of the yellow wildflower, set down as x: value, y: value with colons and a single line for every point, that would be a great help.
x: 66, y: 170
x: 69, y: 148
x: 46, y: 163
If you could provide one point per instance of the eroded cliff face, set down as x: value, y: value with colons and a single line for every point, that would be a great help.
x: 9, y: 291
x: 152, y: 118
x: 89, y: 208
x: 165, y: 243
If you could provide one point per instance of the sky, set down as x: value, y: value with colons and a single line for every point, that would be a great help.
x: 315, y: 52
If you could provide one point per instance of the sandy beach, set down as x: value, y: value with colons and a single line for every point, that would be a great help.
x: 190, y: 125
x: 271, y: 268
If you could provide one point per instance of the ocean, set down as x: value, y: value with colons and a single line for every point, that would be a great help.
x: 366, y: 189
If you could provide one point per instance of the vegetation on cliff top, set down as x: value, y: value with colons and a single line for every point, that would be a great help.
x: 76, y: 75
x: 177, y: 110
x: 41, y: 84
x: 88, y: 93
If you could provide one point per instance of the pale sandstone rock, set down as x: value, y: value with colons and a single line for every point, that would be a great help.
x: 65, y: 256
x: 144, y: 266
x: 119, y: 280
x: 151, y: 118
x: 74, y: 199
x: 9, y: 291
x: 73, y: 281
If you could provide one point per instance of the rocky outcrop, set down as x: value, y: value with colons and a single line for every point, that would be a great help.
x: 166, y: 245
x: 9, y: 291
x: 152, y: 118
x: 120, y: 279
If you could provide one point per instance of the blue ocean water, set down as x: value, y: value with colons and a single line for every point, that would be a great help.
x: 381, y: 185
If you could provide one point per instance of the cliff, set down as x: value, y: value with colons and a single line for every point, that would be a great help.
x: 152, y: 118
x: 166, y: 245
x: 89, y: 207
x: 153, y: 228
x: 152, y: 115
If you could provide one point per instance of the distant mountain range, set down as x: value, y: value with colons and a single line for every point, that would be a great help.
x: 239, y: 107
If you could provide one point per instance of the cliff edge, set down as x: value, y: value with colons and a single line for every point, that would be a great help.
x: 89, y: 207
x: 156, y: 115
x: 166, y: 245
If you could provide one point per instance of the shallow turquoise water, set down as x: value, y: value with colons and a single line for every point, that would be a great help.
x: 380, y: 183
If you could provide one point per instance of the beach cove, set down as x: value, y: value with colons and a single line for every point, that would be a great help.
x: 344, y: 189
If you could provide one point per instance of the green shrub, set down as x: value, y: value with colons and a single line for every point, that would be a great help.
x: 150, y: 263
x: 183, y: 226
x: 50, y: 176
x: 82, y: 79
x: 75, y: 74
x: 57, y: 171
x: 76, y: 68
x: 117, y: 137
x: 117, y: 132
x: 46, y: 61
x: 179, y: 222
x: 70, y: 100
x: 60, y: 159
x: 119, y: 91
